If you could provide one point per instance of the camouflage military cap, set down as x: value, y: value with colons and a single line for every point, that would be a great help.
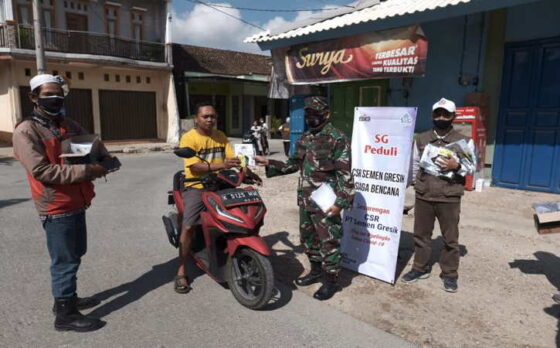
x: 316, y: 103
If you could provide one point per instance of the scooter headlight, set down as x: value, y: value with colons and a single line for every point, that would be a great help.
x: 222, y: 213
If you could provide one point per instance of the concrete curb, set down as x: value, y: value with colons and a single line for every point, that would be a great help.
x: 140, y: 148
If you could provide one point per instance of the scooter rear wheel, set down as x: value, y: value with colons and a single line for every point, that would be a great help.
x: 250, y: 278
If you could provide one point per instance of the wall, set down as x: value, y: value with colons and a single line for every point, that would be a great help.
x: 535, y: 21
x: 210, y: 87
x: 256, y: 89
x: 154, y: 17
x: 493, y: 75
x: 246, y: 91
x: 6, y: 101
x: 520, y: 23
x: 94, y: 79
x: 445, y: 51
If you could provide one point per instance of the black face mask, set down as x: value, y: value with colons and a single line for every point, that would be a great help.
x: 443, y: 124
x: 51, y: 105
x: 314, y: 121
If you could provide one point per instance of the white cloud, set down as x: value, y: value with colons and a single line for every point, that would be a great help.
x: 203, y: 26
x: 206, y: 27
x: 279, y: 22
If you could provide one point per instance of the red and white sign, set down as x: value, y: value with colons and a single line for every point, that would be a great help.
x: 400, y: 52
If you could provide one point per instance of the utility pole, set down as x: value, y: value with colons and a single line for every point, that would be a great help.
x: 168, y: 38
x: 39, y: 49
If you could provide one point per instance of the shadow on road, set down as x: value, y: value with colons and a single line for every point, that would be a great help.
x: 6, y: 161
x: 406, y: 251
x: 438, y: 244
x: 284, y: 261
x: 286, y: 268
x: 7, y: 202
x: 281, y: 296
x: 134, y: 290
x: 548, y: 265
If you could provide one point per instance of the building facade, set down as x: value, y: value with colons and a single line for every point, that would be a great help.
x: 503, y: 56
x: 112, y: 53
x: 236, y: 83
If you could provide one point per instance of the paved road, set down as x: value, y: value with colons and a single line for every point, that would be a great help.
x: 130, y: 265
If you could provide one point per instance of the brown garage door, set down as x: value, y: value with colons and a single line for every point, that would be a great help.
x: 77, y: 103
x: 127, y: 115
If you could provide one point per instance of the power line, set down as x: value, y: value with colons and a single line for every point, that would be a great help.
x: 270, y: 10
x: 227, y: 14
x: 349, y: 6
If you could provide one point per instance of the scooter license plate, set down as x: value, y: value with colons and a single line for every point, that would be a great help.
x: 240, y: 197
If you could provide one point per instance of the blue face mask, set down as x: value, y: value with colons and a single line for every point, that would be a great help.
x: 51, y: 105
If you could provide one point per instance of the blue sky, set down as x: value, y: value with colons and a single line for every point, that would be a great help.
x: 197, y: 24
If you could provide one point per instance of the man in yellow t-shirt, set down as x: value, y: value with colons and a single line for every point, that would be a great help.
x: 211, y: 145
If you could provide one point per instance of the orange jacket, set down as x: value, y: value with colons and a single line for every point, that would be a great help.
x: 56, y: 188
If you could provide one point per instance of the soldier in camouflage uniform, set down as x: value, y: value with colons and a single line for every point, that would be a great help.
x: 322, y: 155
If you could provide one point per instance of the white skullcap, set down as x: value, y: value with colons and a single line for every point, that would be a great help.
x: 444, y: 104
x: 40, y: 80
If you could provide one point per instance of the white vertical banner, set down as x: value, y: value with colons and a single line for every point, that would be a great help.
x: 381, y: 148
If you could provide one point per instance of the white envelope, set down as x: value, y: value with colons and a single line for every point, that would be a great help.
x: 81, y: 146
x: 324, y: 197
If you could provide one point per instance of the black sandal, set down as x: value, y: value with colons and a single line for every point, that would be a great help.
x: 181, y: 288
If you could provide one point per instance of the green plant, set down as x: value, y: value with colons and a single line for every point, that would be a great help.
x: 152, y: 53
x: 26, y: 38
x: 275, y: 123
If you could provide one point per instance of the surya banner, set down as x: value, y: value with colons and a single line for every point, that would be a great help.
x: 381, y: 147
x: 384, y: 54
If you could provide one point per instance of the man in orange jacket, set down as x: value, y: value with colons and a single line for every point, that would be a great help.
x: 61, y: 194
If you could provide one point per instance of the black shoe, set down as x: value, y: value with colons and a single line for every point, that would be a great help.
x: 414, y: 275
x: 450, y: 284
x: 68, y: 318
x: 328, y: 289
x: 82, y: 303
x: 556, y: 298
x: 312, y: 277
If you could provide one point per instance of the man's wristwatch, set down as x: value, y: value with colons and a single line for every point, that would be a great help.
x: 458, y: 167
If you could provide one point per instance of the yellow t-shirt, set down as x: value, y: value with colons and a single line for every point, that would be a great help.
x: 214, y: 149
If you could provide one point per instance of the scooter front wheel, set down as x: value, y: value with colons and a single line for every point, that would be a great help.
x: 250, y: 278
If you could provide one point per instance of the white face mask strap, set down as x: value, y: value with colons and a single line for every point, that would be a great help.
x: 52, y: 97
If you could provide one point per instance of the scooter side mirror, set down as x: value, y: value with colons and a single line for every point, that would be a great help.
x: 185, y: 152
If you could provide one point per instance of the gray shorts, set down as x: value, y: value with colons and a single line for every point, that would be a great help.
x: 192, y: 206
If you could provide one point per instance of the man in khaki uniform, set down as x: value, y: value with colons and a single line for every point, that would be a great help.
x: 438, y: 197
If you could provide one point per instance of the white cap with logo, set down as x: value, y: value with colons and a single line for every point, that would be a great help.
x: 444, y: 104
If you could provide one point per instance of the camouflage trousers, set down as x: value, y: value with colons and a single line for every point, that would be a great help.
x: 321, y: 239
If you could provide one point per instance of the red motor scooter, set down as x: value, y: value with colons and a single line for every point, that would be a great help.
x: 226, y: 244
